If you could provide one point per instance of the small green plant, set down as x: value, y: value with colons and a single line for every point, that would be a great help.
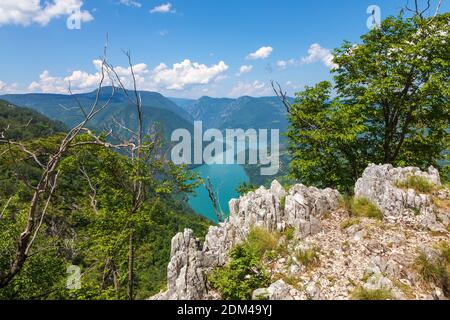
x: 345, y: 202
x: 436, y: 270
x: 362, y: 207
x: 245, y: 188
x: 289, y: 279
x: 308, y: 257
x: 416, y: 211
x: 246, y: 272
x: 365, y: 294
x: 417, y: 183
x: 282, y: 202
x: 241, y: 276
x: 262, y: 241
x: 349, y: 222
x: 289, y: 233
x: 442, y: 203
x: 444, y: 249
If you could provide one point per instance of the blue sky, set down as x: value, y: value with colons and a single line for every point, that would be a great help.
x: 181, y: 48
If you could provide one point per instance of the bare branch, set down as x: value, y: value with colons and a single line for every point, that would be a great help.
x: 92, y: 187
x: 212, y: 196
x: 24, y: 149
x: 47, y: 181
x: 282, y: 95
x: 5, y: 207
x: 44, y: 211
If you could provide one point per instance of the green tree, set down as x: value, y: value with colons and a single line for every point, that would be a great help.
x: 389, y: 103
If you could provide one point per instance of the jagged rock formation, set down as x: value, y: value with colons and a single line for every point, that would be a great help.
x: 353, y: 252
x: 191, y: 261
x: 378, y: 184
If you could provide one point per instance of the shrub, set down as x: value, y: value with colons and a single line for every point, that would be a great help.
x: 364, y: 294
x: 245, y: 188
x: 436, y: 270
x: 362, y: 207
x: 262, y: 241
x: 245, y: 272
x: 283, y: 203
x: 417, y: 183
x: 308, y: 257
x: 289, y: 233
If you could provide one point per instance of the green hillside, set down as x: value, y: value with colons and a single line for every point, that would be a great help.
x: 65, y: 108
x: 244, y: 112
x: 19, y: 123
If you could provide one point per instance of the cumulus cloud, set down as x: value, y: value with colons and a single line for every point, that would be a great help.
x: 186, y: 73
x: 244, y: 69
x: 317, y: 53
x: 26, y: 12
x: 163, y: 8
x: 177, y: 77
x: 48, y: 84
x: 261, y: 53
x: 283, y: 64
x: 130, y: 3
x: 8, y: 88
x: 255, y: 88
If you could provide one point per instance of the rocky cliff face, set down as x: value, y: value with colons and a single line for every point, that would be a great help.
x: 354, y: 252
x: 378, y: 184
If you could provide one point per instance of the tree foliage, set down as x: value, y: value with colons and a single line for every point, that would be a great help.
x: 388, y: 103
x: 87, y: 223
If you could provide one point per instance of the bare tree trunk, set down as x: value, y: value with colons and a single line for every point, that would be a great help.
x: 47, y: 181
x: 130, y: 290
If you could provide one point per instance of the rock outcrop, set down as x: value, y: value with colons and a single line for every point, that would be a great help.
x: 272, y: 209
x: 379, y: 185
x: 353, y: 253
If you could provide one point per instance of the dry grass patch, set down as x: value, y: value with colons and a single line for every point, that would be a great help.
x: 416, y: 183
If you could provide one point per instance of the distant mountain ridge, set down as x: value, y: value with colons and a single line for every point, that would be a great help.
x: 156, y: 109
x: 170, y: 113
x: 19, y: 123
x: 244, y: 112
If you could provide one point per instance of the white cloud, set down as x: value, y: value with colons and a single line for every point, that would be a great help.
x: 178, y: 77
x: 48, y: 84
x: 163, y: 33
x: 295, y: 86
x: 8, y: 88
x: 163, y: 8
x: 130, y: 3
x: 255, y: 88
x: 186, y: 73
x: 261, y: 53
x: 244, y: 69
x: 283, y: 64
x: 317, y: 53
x: 26, y: 12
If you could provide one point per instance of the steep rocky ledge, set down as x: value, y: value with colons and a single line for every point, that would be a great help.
x: 353, y: 252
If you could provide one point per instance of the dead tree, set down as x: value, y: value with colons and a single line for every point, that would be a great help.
x: 135, y: 146
x: 47, y: 181
x: 212, y: 196
x: 417, y: 11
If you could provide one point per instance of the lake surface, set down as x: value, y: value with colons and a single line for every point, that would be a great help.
x: 225, y: 180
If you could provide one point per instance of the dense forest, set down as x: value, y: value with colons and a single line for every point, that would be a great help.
x: 86, y: 217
